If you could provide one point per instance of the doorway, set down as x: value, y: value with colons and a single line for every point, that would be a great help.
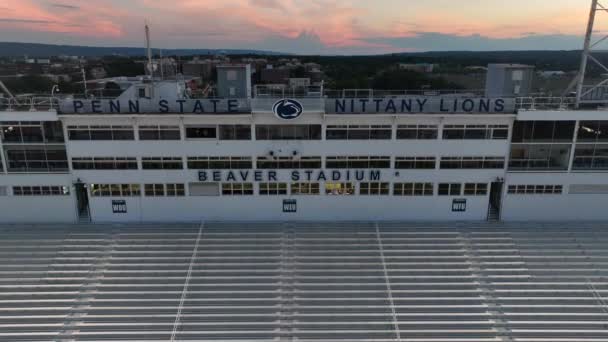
x: 82, y: 202
x: 495, y: 201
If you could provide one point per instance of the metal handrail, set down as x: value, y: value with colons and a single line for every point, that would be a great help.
x: 30, y: 103
x: 544, y: 103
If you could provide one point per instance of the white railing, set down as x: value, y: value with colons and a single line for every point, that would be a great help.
x: 377, y: 93
x: 545, y: 103
x: 30, y: 103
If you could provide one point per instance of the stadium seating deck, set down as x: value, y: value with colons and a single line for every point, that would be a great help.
x: 305, y: 282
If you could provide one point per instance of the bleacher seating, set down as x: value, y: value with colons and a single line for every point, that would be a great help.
x: 305, y: 282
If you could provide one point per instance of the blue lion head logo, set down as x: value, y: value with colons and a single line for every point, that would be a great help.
x: 288, y: 109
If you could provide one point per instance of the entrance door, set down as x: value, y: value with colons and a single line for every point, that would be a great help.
x: 82, y: 202
x: 495, y: 201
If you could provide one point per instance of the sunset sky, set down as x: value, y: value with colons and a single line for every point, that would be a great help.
x: 301, y: 26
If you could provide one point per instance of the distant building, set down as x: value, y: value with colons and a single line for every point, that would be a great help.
x: 274, y: 76
x: 509, y: 80
x: 418, y: 67
x: 98, y: 72
x: 551, y: 73
x: 234, y: 81
x: 299, y: 82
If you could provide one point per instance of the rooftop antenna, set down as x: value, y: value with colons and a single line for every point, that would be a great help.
x: 149, y: 69
x: 595, y: 93
x: 162, y: 70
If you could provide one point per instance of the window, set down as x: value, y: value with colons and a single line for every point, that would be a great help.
x: 40, y: 190
x: 593, y: 131
x: 543, y: 131
x: 232, y: 91
x: 591, y: 157
x: 162, y: 190
x: 517, y: 75
x: 450, y: 189
x: 273, y: 188
x: 159, y: 133
x: 201, y: 132
x: 36, y: 158
x: 417, y: 132
x: 476, y: 189
x: 336, y: 189
x: 154, y: 190
x: 413, y: 189
x: 374, y: 188
x: 162, y: 163
x: 204, y: 189
x: 100, y: 133
x: 288, y: 132
x: 143, y: 92
x: 33, y: 132
x: 235, y: 132
x: 305, y: 189
x: 237, y: 189
x: 358, y: 162
x: 475, y: 132
x: 176, y: 190
x: 231, y: 75
x: 415, y: 163
x: 289, y: 163
x: 115, y: 190
x: 586, y: 189
x: 358, y: 132
x: 219, y: 163
x: 535, y: 189
x: 104, y: 163
x: 550, y: 157
x: 472, y: 163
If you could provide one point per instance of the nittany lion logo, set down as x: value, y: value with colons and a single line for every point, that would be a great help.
x: 288, y: 109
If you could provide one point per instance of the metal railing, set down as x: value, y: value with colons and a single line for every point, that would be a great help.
x: 378, y: 93
x: 545, y: 103
x: 29, y: 103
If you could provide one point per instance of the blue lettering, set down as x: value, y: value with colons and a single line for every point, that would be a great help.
x: 336, y: 175
x: 257, y: 176
x: 468, y: 105
x: 295, y: 176
x: 272, y: 176
x: 233, y: 106
x: 340, y: 106
x: 442, y: 106
x: 321, y: 176
x: 378, y: 101
x: 406, y: 106
x: 244, y: 175
x: 202, y: 176
x: 421, y: 104
x: 77, y: 105
x: 374, y: 175
x: 215, y: 102
x: 96, y: 106
x: 181, y: 105
x: 360, y: 175
x: 499, y: 105
x: 163, y: 106
x: 390, y: 107
x: 231, y: 177
x: 198, y: 107
x: 484, y: 105
x: 133, y: 106
x: 364, y: 105
x: 114, y: 106
x: 217, y: 176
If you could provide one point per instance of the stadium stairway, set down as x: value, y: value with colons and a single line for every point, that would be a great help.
x: 305, y: 282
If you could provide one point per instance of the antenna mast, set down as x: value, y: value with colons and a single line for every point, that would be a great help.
x: 595, y: 93
x: 149, y: 68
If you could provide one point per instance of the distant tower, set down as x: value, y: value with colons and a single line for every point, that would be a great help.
x: 595, y: 93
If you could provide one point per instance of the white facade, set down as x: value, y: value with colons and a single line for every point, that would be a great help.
x: 514, y: 194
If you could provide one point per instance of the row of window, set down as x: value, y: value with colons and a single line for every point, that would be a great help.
x: 535, y: 189
x: 523, y: 131
x: 297, y: 189
x: 290, y: 132
x: 41, y: 190
x: 226, y: 163
x: 340, y: 188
